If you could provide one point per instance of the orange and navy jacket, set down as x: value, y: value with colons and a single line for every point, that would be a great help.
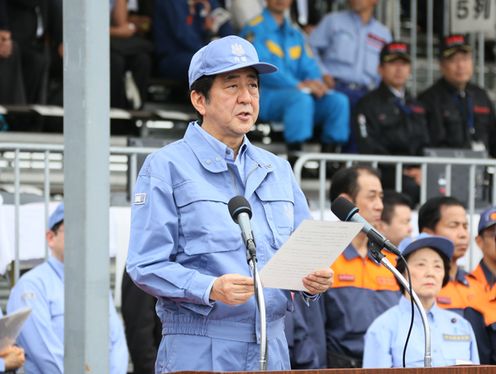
x: 482, y: 274
x: 362, y: 290
x: 466, y: 296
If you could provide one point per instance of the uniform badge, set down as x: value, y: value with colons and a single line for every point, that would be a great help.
x: 456, y: 338
x: 139, y: 198
x: 346, y: 277
x: 26, y: 296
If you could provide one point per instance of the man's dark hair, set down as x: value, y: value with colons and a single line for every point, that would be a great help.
x: 391, y: 200
x: 346, y: 180
x: 430, y: 212
x: 401, y: 267
x: 203, y: 85
x: 55, y: 228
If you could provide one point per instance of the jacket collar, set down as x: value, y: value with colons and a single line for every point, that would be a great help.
x: 406, y: 307
x: 57, y: 266
x: 212, y: 157
x: 271, y: 23
x: 350, y: 253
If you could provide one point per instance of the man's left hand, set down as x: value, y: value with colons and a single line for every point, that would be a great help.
x: 319, y: 281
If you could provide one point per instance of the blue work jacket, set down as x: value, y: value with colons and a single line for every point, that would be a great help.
x: 348, y: 49
x: 42, y: 335
x: 183, y: 237
x: 283, y: 46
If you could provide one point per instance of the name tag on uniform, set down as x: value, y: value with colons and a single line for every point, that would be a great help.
x: 346, y: 277
x: 456, y: 338
x: 385, y: 281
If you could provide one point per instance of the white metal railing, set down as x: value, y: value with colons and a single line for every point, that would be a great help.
x: 398, y: 162
x: 17, y: 158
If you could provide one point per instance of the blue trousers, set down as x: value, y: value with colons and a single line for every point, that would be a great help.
x: 300, y: 112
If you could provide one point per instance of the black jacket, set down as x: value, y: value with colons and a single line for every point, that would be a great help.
x: 4, y: 21
x: 449, y: 116
x: 142, y: 326
x: 384, y: 125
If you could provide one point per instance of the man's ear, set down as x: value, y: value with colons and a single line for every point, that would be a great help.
x: 479, y: 241
x: 49, y: 235
x: 347, y: 197
x: 198, y: 101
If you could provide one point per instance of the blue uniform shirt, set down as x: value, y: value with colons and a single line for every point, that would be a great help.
x: 452, y: 338
x: 2, y: 361
x: 283, y: 46
x: 183, y: 238
x: 42, y: 336
x: 349, y: 50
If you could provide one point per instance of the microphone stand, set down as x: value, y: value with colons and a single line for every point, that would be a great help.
x: 251, y: 258
x: 375, y: 252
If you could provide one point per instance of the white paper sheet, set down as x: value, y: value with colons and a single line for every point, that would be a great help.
x: 314, y: 245
x: 10, y: 326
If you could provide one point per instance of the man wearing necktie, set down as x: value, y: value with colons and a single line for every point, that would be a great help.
x: 389, y: 121
x: 460, y: 114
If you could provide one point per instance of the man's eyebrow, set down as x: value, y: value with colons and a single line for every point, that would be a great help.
x: 231, y: 77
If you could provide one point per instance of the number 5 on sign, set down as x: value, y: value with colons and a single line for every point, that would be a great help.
x: 472, y: 15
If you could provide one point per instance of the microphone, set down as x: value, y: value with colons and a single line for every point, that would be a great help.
x: 345, y: 210
x: 240, y: 211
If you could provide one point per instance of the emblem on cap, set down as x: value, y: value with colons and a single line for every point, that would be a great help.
x: 239, y: 52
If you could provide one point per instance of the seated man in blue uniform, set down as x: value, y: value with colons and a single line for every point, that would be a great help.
x: 42, y: 289
x: 185, y: 249
x: 453, y: 341
x: 296, y: 93
x: 348, y: 44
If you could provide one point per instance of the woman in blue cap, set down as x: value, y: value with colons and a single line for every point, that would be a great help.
x: 452, y: 338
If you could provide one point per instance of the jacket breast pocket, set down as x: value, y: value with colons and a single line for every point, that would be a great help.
x: 278, y: 205
x: 57, y: 315
x: 204, y: 219
x: 342, y: 49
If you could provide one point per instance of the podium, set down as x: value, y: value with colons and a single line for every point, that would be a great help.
x: 469, y: 369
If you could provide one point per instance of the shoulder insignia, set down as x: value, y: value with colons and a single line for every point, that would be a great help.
x: 255, y: 21
x: 295, y: 52
x: 274, y: 48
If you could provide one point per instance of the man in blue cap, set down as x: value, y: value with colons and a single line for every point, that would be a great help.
x: 485, y: 273
x: 184, y: 247
x: 42, y: 289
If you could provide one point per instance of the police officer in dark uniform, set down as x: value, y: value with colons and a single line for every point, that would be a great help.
x: 460, y: 114
x: 389, y: 121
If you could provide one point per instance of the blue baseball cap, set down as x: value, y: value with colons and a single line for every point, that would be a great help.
x: 487, y: 219
x: 226, y: 54
x: 443, y: 245
x: 57, y: 216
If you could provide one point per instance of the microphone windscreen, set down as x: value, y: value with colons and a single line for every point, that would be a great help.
x: 343, y: 208
x: 238, y: 204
